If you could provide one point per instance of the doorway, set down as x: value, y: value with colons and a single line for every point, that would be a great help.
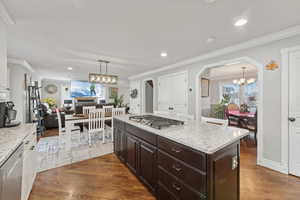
x: 149, y: 96
x: 255, y: 108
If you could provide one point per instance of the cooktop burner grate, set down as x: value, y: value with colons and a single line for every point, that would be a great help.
x: 155, y: 121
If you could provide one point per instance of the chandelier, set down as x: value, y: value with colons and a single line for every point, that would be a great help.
x: 243, y: 80
x: 101, y: 77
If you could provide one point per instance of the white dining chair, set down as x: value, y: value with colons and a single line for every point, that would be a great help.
x: 62, y: 135
x: 86, y: 109
x: 108, y: 112
x: 116, y: 112
x: 96, y: 124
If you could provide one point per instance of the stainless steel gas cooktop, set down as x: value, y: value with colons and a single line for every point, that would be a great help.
x: 156, y: 121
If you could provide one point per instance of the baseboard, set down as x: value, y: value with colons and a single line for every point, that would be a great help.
x: 276, y: 166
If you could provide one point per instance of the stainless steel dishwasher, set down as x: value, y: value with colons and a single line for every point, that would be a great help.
x: 11, y: 176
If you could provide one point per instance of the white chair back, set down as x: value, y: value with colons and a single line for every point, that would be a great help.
x: 86, y: 109
x: 108, y: 111
x: 221, y: 122
x: 118, y: 111
x: 60, y: 129
x: 96, y: 120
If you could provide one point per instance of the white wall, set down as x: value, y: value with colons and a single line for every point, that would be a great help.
x: 271, y: 87
x: 17, y: 88
x: 61, y: 93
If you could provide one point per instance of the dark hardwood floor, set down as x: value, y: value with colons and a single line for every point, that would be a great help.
x: 105, y: 178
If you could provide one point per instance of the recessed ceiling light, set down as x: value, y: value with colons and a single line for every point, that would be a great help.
x: 210, y: 39
x: 241, y: 22
x: 70, y: 68
x: 163, y: 54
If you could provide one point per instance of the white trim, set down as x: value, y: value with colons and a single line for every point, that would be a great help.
x: 277, y: 166
x: 5, y: 16
x: 285, y: 104
x: 144, y: 93
x: 23, y: 63
x: 260, y: 69
x: 290, y: 32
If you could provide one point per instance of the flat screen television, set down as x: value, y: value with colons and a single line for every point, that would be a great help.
x: 86, y: 89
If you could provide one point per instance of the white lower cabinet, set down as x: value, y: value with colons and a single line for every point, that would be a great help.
x: 30, y: 163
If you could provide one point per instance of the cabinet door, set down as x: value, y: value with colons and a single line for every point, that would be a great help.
x: 123, y: 145
x: 173, y: 93
x: 30, y: 164
x: 132, y: 153
x: 147, y: 165
x: 179, y: 91
x: 117, y: 141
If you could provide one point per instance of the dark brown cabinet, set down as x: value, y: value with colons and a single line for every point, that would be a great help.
x: 173, y: 171
x: 132, y: 152
x: 147, y: 165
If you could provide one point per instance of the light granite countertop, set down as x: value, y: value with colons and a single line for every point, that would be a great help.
x: 201, y: 136
x: 11, y: 138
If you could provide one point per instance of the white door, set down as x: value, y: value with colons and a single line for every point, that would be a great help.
x: 294, y: 113
x: 164, y: 93
x: 179, y: 92
x: 135, y: 103
x: 172, y: 93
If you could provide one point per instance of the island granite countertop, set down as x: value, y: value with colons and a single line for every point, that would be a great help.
x: 201, y: 136
x: 11, y: 138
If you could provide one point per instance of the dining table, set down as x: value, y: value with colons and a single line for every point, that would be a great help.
x: 239, y: 114
x: 70, y: 121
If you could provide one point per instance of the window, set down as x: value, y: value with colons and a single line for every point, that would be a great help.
x: 232, y: 90
x: 250, y: 93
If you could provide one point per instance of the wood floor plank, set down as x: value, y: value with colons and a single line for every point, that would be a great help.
x: 106, y: 178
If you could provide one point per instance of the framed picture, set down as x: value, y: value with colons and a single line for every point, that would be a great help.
x: 113, y: 92
x: 204, y: 87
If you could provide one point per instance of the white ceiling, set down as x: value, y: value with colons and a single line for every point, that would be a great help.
x: 53, y: 35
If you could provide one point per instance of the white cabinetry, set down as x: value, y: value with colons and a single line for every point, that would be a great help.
x: 3, y: 57
x: 173, y: 93
x: 30, y: 164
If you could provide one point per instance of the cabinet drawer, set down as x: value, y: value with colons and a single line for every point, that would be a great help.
x: 186, y: 154
x: 30, y: 142
x: 191, y: 176
x: 142, y: 134
x: 164, y: 194
x: 177, y: 188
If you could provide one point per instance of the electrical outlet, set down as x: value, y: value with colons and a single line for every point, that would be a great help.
x: 235, y: 162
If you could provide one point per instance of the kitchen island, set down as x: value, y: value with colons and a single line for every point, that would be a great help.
x: 184, y: 162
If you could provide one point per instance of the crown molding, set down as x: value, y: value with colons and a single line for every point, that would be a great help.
x: 290, y: 32
x: 5, y: 16
x: 21, y: 62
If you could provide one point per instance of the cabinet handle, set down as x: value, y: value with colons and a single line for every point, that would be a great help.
x: 178, y: 169
x: 176, y: 150
x: 176, y: 187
